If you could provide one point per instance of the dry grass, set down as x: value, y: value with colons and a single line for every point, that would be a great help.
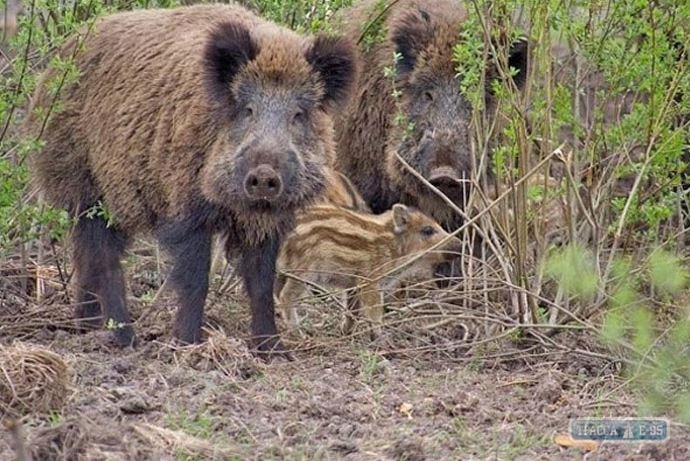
x: 230, y: 356
x: 67, y: 440
x: 32, y: 296
x: 32, y: 380
x: 172, y: 441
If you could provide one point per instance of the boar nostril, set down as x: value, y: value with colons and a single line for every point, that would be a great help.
x: 263, y: 183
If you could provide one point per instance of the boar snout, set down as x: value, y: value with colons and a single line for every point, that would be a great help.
x: 263, y: 183
x: 448, y: 162
x: 444, y: 176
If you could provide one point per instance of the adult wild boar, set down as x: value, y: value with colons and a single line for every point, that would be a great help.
x: 435, y: 138
x: 188, y: 123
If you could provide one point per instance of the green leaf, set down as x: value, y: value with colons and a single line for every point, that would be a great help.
x: 573, y: 268
x: 613, y: 327
x: 666, y: 272
x: 642, y: 323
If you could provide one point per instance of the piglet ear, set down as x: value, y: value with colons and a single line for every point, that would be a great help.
x: 401, y: 218
x: 334, y: 59
x: 410, y: 34
x: 229, y: 47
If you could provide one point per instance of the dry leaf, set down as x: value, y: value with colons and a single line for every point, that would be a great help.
x: 566, y: 441
x: 406, y: 409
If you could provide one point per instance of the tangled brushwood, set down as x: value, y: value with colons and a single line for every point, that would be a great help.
x: 33, y: 379
x: 220, y: 352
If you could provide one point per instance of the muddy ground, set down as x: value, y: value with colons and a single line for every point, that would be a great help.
x: 341, y: 398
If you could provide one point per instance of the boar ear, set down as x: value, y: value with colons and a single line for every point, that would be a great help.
x: 229, y: 47
x: 518, y: 60
x: 409, y: 35
x: 334, y: 60
x: 401, y: 218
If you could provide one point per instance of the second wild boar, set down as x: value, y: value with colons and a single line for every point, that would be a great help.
x: 435, y: 138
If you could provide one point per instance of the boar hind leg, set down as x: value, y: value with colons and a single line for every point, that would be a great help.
x: 99, y: 279
x: 191, y: 254
x: 257, y: 267
x: 372, y: 302
x: 288, y: 295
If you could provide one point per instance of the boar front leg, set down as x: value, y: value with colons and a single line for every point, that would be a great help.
x: 257, y: 268
x: 189, y: 278
x: 372, y: 302
x: 288, y: 296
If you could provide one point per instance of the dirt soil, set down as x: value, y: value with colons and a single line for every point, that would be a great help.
x: 341, y: 398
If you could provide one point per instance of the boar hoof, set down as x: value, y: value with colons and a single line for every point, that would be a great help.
x: 375, y: 332
x: 348, y: 324
x: 124, y: 336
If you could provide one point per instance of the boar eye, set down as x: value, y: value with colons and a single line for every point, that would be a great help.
x: 298, y: 117
x: 247, y: 112
x: 428, y: 231
x: 429, y: 96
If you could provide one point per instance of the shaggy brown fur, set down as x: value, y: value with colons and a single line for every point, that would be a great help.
x: 185, y: 123
x: 351, y: 250
x: 438, y: 145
